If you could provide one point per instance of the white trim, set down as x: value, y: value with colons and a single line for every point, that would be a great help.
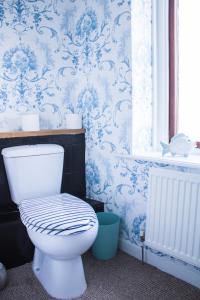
x: 160, y: 71
x: 192, y: 161
x: 164, y: 263
x: 130, y: 249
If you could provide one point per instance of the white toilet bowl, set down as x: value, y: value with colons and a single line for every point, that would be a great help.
x: 58, y: 264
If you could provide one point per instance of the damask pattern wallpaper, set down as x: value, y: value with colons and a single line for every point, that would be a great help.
x: 61, y: 56
x: 91, y: 57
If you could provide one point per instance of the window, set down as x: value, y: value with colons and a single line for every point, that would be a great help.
x: 184, y: 68
x: 160, y: 72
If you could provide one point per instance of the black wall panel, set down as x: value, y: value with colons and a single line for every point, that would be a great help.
x: 15, y: 246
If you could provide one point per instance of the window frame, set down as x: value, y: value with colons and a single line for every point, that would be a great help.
x: 173, y: 96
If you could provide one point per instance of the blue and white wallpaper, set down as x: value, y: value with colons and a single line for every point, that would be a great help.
x: 59, y: 56
x: 91, y: 57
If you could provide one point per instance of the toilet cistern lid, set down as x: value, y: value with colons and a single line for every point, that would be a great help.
x: 32, y: 150
x: 61, y: 214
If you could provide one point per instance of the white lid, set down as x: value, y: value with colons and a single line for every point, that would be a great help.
x: 61, y: 214
x: 32, y: 150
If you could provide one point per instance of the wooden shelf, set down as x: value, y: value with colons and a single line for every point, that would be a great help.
x: 15, y: 134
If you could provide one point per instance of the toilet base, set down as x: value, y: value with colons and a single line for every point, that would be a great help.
x: 62, y: 279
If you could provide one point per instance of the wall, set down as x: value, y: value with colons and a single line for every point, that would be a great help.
x: 62, y: 56
x: 75, y: 56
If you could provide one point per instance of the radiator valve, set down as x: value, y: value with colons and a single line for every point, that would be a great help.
x: 142, y: 235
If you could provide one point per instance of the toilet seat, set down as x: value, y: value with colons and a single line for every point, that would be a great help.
x: 61, y: 214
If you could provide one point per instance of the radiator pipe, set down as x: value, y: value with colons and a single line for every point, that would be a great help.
x: 142, y: 239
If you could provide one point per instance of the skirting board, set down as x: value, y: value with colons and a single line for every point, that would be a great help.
x: 164, y: 263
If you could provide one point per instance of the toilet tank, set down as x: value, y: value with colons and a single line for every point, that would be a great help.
x: 33, y: 170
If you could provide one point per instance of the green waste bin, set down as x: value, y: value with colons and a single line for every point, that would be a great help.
x: 105, y: 245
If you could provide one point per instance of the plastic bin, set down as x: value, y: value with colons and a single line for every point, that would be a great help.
x: 106, y: 243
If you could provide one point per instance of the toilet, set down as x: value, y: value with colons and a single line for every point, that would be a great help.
x: 61, y: 226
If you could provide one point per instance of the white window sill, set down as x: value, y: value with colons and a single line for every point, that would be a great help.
x: 192, y: 161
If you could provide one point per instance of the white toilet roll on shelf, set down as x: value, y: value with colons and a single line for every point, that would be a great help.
x: 73, y: 121
x: 30, y: 122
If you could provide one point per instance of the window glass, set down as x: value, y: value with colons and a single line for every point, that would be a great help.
x: 189, y: 68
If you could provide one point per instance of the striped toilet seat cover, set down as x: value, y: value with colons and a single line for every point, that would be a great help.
x: 61, y: 214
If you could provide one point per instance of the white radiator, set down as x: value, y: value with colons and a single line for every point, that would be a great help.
x: 173, y: 214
